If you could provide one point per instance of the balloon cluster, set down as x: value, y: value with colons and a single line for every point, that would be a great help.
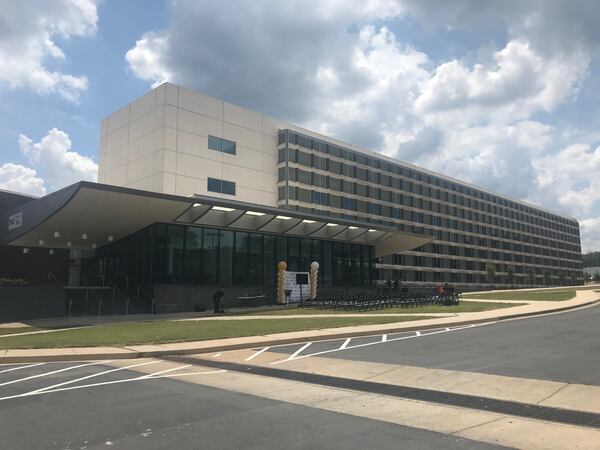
x: 281, y: 267
x: 314, y: 271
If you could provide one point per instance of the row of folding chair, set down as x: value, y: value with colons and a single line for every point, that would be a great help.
x: 366, y: 302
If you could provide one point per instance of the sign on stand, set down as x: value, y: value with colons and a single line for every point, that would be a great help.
x: 299, y: 291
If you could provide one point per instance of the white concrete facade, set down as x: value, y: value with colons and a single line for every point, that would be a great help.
x: 159, y: 142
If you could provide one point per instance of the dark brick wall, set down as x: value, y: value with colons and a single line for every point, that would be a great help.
x: 25, y: 303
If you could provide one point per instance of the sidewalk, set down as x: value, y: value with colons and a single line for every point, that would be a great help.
x: 583, y: 298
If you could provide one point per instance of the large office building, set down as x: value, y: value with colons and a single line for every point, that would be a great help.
x: 196, y: 192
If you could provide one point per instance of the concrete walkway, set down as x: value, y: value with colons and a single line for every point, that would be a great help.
x: 583, y: 298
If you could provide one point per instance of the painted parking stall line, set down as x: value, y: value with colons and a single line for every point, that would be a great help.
x: 173, y: 369
x: 94, y: 375
x: 106, y: 383
x: 250, y: 358
x: 295, y: 354
x: 21, y: 367
x: 383, y: 340
x: 52, y: 372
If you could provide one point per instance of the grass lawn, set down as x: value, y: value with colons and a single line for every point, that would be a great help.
x: 462, y: 307
x: 526, y: 295
x: 169, y: 331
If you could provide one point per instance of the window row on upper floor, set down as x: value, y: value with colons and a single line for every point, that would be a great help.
x: 417, y: 222
x: 551, y: 258
x: 434, y: 262
x: 363, y: 173
x: 368, y: 206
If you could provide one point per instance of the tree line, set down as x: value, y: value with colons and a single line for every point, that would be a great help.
x: 591, y: 259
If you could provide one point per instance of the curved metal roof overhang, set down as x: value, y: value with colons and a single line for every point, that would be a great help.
x: 99, y: 211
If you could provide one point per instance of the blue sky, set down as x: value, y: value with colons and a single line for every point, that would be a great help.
x: 502, y: 94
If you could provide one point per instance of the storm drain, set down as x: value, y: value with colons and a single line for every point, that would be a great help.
x: 559, y: 415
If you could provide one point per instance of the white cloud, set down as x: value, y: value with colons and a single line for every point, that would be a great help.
x: 518, y: 83
x: 55, y: 162
x: 590, y: 234
x: 18, y: 178
x: 145, y: 59
x: 570, y: 178
x: 391, y: 73
x: 28, y: 33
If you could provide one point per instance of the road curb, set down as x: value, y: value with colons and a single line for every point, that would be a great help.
x: 261, y: 342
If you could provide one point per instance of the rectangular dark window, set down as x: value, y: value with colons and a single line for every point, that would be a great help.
x: 374, y: 208
x: 304, y: 177
x: 221, y: 145
x: 335, y: 167
x: 305, y: 159
x: 347, y: 203
x: 228, y: 147
x: 348, y: 170
x: 334, y: 184
x: 210, y: 251
x: 214, y: 143
x: 221, y: 186
x: 225, y: 257
x: 304, y: 195
x: 320, y: 198
x: 396, y: 213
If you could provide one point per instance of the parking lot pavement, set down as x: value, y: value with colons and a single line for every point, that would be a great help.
x: 526, y: 383
x: 136, y: 404
x: 561, y: 348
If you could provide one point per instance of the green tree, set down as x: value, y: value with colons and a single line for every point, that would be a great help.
x: 490, y: 272
x: 591, y: 259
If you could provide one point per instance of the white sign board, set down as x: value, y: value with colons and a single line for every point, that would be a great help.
x: 290, y: 283
x: 15, y: 221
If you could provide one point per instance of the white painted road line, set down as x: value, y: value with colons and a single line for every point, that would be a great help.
x: 249, y: 358
x: 416, y: 335
x: 92, y: 376
x: 293, y: 355
x: 21, y: 367
x: 383, y: 337
x: 166, y: 371
x: 53, y: 372
x: 345, y: 344
x: 106, y: 383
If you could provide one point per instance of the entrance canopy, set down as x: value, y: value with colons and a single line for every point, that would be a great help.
x: 89, y: 215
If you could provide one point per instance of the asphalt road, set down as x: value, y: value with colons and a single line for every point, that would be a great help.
x: 560, y: 347
x: 167, y: 413
x: 120, y: 408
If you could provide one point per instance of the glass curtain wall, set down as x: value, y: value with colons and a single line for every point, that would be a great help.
x: 180, y: 254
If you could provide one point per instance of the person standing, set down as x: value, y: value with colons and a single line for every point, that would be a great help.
x: 217, y: 301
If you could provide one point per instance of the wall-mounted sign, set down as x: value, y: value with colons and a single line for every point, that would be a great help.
x: 15, y: 221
